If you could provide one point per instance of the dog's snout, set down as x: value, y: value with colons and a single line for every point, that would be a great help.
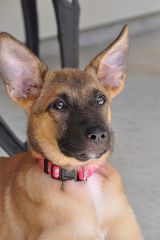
x: 96, y: 135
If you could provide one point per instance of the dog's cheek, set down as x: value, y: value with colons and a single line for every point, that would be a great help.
x: 42, y: 130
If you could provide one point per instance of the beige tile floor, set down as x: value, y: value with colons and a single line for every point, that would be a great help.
x: 135, y: 121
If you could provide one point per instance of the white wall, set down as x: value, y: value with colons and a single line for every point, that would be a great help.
x: 93, y: 13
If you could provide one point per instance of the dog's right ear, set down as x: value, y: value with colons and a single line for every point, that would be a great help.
x: 110, y: 65
x: 20, y: 69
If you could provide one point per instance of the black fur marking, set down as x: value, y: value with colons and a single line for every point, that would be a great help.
x: 74, y: 141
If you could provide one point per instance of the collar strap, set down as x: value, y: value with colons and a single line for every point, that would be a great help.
x: 59, y: 173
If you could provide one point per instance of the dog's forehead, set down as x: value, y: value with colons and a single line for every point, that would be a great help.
x: 72, y: 82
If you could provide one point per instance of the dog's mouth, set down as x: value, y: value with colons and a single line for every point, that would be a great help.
x: 84, y: 156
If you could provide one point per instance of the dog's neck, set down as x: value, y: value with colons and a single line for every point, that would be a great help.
x: 58, y: 173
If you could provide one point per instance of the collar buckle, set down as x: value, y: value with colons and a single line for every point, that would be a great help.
x: 59, y: 173
x: 68, y: 175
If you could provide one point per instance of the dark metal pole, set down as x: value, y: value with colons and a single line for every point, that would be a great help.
x: 67, y: 16
x: 29, y: 8
x: 8, y: 140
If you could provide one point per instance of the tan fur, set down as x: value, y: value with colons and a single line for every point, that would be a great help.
x: 34, y: 206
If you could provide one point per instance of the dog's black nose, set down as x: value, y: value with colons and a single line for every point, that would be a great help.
x: 96, y: 135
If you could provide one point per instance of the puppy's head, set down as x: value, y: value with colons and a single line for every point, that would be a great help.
x: 68, y: 110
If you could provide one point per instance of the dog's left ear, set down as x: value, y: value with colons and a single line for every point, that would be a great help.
x: 110, y: 64
x: 22, y: 72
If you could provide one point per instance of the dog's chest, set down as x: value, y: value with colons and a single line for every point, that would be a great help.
x: 89, y: 216
x: 96, y: 193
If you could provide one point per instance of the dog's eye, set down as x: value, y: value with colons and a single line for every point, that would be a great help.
x: 59, y: 105
x: 101, y: 100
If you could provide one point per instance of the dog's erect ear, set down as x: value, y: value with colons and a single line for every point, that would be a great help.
x: 20, y: 69
x: 110, y: 65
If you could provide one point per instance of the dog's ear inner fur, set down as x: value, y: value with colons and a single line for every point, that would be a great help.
x: 20, y: 69
x: 110, y: 64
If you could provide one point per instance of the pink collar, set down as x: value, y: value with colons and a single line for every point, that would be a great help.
x: 59, y: 173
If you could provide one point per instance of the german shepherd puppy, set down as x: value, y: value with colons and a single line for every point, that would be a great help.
x: 64, y: 188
